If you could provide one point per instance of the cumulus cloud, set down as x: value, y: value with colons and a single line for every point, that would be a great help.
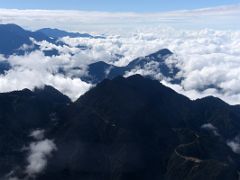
x: 208, y: 61
x: 234, y: 144
x: 18, y: 79
x: 150, y: 69
x: 36, y: 70
x: 38, y: 154
x: 210, y: 127
x: 38, y: 134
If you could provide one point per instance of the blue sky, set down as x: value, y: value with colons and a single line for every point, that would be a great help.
x: 114, y: 5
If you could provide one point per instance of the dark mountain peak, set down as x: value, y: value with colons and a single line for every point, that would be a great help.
x: 138, y: 77
x: 46, y: 93
x: 46, y: 88
x: 99, y: 71
x: 123, y: 81
x: 136, y: 88
x: 19, y: 93
x: 156, y: 56
x: 134, y: 128
x: 211, y: 100
x: 162, y: 52
x: 51, y: 94
x: 142, y: 82
x: 133, y: 124
x: 100, y: 63
x: 24, y: 91
x: 137, y: 80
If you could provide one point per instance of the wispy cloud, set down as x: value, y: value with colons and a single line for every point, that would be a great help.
x: 224, y: 17
x: 210, y: 127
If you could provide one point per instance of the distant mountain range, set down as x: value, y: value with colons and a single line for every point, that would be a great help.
x: 123, y: 129
x: 13, y: 37
x: 130, y: 128
x: 156, y: 63
x: 56, y: 33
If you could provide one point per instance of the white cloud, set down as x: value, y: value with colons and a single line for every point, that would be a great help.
x: 36, y: 70
x: 38, y: 134
x: 225, y: 17
x: 149, y: 69
x: 210, y: 127
x: 38, y: 154
x: 208, y: 60
x: 234, y: 144
x: 18, y: 79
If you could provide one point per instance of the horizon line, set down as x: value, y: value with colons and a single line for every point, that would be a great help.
x: 129, y: 12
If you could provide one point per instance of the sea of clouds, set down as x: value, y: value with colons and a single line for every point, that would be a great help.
x: 209, y: 61
x: 205, y: 43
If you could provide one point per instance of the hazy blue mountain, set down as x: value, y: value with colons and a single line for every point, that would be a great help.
x: 101, y: 70
x: 56, y: 33
x: 13, y: 37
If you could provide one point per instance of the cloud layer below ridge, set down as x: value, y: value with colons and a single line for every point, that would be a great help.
x: 208, y: 60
